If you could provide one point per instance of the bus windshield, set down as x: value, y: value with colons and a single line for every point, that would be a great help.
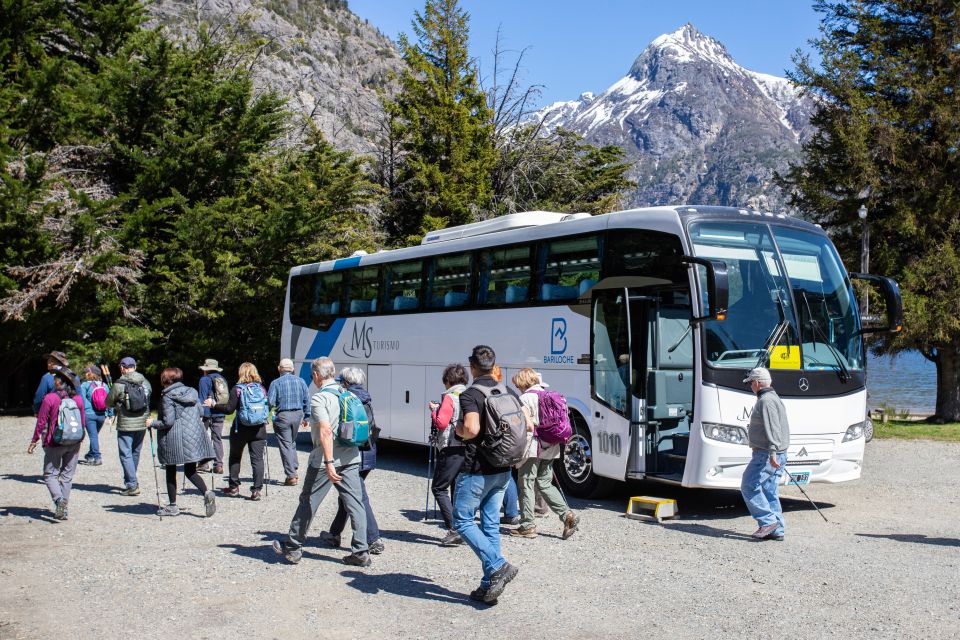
x: 789, y: 295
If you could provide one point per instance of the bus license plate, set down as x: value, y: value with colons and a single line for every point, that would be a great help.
x: 799, y: 477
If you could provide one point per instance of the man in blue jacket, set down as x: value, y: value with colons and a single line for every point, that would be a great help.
x: 212, y: 419
x: 55, y: 360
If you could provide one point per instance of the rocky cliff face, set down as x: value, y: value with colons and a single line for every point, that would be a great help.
x: 699, y: 127
x: 326, y: 61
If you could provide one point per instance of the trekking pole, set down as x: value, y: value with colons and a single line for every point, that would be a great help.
x: 798, y: 486
x: 156, y: 480
x: 266, y: 455
x: 426, y: 504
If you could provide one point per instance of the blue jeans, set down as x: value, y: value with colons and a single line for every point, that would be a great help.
x: 511, y: 499
x: 485, y: 493
x: 129, y: 443
x: 93, y: 425
x: 759, y: 487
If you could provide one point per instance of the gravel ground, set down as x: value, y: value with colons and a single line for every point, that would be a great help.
x: 885, y: 566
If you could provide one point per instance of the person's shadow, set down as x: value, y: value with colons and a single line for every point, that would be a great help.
x: 918, y: 538
x: 28, y: 512
x: 265, y: 553
x: 407, y: 585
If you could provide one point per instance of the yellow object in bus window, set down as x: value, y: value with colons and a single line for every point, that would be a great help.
x: 785, y: 357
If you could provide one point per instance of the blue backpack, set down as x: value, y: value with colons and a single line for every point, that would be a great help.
x: 354, y: 427
x: 254, y: 408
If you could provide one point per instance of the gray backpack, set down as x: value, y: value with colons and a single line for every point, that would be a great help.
x: 69, y: 430
x: 505, y: 427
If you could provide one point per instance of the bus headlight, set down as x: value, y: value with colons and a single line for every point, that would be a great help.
x: 854, y: 431
x: 725, y: 433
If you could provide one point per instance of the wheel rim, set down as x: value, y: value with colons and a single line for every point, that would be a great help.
x: 577, y: 458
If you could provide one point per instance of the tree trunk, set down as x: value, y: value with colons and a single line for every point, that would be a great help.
x: 948, y: 382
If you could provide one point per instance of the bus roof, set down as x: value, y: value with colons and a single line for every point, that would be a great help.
x: 537, y: 225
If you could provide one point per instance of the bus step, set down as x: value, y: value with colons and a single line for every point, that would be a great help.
x: 651, y: 508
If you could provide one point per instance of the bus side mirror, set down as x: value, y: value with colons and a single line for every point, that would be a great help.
x: 717, y: 288
x: 891, y: 297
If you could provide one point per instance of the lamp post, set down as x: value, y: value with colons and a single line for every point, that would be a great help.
x: 865, y: 254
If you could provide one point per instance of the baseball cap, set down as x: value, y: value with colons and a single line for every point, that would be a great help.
x: 286, y: 364
x: 760, y: 374
x: 128, y: 362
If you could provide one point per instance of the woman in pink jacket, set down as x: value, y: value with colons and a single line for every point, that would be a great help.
x: 61, y: 442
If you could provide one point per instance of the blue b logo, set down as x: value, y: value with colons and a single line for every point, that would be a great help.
x: 558, y: 336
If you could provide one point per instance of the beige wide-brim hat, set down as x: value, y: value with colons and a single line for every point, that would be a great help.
x: 210, y: 365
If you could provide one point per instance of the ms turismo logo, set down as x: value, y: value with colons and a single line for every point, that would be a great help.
x: 362, y: 343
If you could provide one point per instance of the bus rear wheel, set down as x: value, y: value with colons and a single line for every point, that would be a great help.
x: 574, y: 467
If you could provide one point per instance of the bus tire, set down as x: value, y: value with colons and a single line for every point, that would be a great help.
x: 574, y: 467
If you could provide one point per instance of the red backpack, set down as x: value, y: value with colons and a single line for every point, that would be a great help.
x: 554, y: 427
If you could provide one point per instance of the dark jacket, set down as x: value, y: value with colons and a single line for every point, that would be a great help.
x: 127, y: 421
x: 368, y: 459
x: 181, y: 437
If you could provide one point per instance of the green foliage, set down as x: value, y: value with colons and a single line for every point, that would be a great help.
x: 443, y: 126
x: 889, y: 119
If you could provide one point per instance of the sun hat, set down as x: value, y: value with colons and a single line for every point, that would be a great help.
x: 59, y: 356
x: 210, y: 365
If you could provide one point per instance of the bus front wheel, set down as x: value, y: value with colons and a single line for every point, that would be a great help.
x: 574, y: 467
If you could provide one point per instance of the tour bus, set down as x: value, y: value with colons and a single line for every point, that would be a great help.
x: 645, y: 320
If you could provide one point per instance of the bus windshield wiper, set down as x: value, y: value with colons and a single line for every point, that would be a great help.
x: 776, y: 335
x: 842, y: 370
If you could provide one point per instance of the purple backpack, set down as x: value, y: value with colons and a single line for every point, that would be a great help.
x: 554, y: 427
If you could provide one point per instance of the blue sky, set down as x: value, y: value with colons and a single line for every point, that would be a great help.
x: 577, y: 46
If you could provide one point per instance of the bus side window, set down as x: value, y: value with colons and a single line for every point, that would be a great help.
x: 449, y: 282
x: 504, y: 275
x: 315, y: 299
x: 402, y: 282
x: 570, y: 267
x: 363, y: 290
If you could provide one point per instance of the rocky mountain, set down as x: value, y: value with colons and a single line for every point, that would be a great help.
x: 699, y: 127
x: 326, y: 61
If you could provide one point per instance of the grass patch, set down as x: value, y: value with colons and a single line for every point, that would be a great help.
x: 910, y: 430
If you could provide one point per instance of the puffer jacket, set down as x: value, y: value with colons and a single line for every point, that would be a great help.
x: 181, y: 437
x: 368, y: 459
x: 128, y: 421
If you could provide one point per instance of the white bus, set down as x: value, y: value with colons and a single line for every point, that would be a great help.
x: 646, y: 320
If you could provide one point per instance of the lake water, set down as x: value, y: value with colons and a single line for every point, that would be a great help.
x: 907, y: 382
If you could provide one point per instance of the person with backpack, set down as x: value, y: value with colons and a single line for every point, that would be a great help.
x: 493, y: 432
x: 213, y: 385
x: 337, y: 424
x: 60, y: 427
x: 551, y: 424
x: 445, y: 416
x: 352, y: 379
x: 290, y: 399
x: 130, y: 398
x: 55, y: 360
x: 95, y: 411
x: 248, y: 399
x: 181, y: 439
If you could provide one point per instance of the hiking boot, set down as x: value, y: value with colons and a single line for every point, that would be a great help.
x: 571, y: 522
x: 93, y: 462
x: 130, y: 491
x: 291, y: 481
x: 765, y: 530
x: 499, y: 580
x: 290, y: 555
x: 330, y: 540
x: 357, y: 559
x: 231, y: 491
x: 452, y: 539
x: 514, y: 520
x: 255, y: 495
x: 541, y: 513
x: 61, y: 511
x: 376, y: 547
x: 524, y: 532
x: 169, y: 510
x: 480, y: 595
x: 204, y: 468
x: 776, y: 537
x: 210, y: 503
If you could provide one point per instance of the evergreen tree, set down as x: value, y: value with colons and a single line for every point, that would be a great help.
x: 889, y: 119
x: 444, y: 127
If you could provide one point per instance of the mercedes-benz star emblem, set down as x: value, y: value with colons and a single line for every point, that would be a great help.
x: 804, y: 384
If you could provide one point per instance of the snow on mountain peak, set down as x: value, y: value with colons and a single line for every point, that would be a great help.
x: 687, y: 44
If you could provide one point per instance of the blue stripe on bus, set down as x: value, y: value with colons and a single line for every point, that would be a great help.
x: 322, y: 345
x: 346, y: 263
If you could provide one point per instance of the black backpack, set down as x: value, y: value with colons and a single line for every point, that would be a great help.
x: 504, y: 437
x: 135, y: 397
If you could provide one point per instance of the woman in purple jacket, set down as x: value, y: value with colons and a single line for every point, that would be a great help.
x: 59, y: 460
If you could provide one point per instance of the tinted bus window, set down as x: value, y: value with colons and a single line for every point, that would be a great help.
x: 363, y: 290
x: 570, y: 266
x: 505, y: 275
x: 644, y: 253
x: 401, y: 285
x: 450, y: 281
x: 315, y: 299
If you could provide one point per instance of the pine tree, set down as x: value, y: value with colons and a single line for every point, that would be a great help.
x: 444, y: 128
x: 889, y: 119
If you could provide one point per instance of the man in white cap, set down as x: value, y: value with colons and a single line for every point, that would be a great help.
x: 769, y: 436
x: 290, y: 400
